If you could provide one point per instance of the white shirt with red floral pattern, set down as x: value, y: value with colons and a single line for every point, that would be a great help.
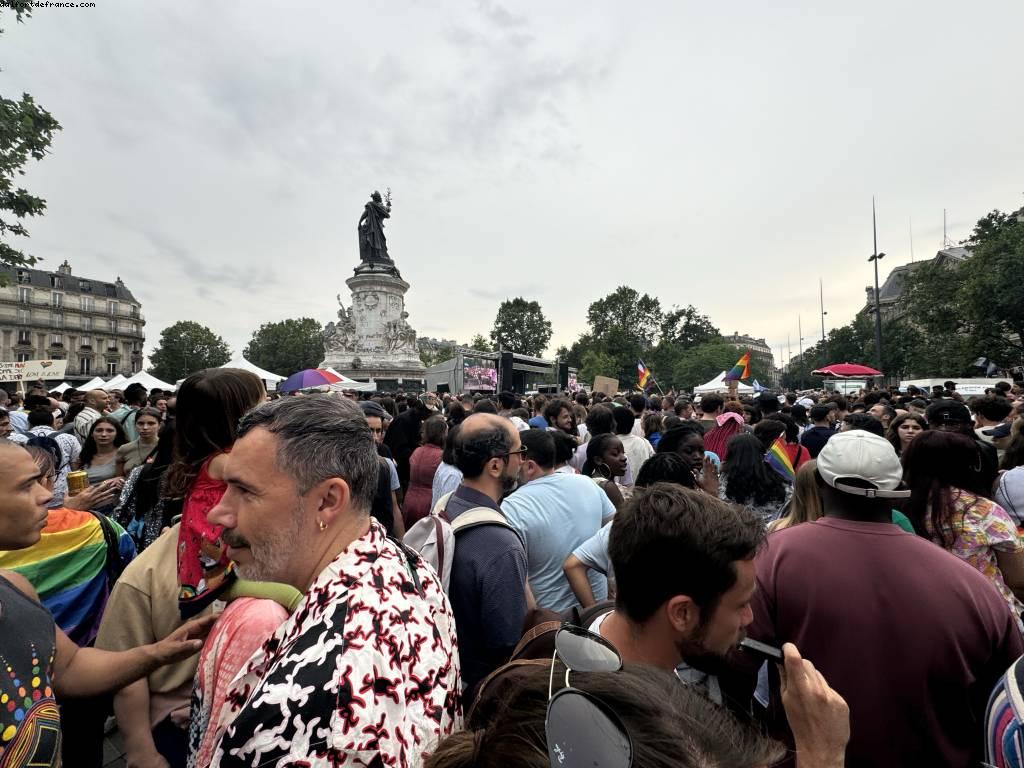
x: 365, y: 672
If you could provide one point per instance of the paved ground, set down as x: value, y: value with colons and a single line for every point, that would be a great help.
x: 113, y: 751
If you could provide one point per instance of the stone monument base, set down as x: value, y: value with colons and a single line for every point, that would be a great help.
x: 372, y: 338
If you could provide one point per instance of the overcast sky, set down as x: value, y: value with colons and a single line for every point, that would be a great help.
x: 217, y: 156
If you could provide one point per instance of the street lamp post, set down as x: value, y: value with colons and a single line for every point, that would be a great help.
x: 824, y: 343
x: 878, y: 307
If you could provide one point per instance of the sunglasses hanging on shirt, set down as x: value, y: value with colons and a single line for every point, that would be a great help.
x: 581, y: 730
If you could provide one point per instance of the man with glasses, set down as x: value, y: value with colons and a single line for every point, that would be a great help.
x: 488, y: 578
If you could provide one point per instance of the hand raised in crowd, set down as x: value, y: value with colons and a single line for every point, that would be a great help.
x: 709, y: 477
x: 818, y: 716
x: 95, y: 495
x: 185, y: 641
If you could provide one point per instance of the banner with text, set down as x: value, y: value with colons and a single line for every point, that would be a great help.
x: 30, y: 370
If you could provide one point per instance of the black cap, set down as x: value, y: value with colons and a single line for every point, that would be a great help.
x: 998, y: 431
x: 371, y: 408
x: 948, y: 412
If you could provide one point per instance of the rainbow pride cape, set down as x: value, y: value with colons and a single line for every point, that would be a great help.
x: 741, y: 370
x: 778, y: 459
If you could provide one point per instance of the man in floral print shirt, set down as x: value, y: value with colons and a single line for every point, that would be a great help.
x: 365, y: 671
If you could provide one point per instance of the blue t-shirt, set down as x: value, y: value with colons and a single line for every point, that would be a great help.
x: 555, y: 514
x: 487, y: 589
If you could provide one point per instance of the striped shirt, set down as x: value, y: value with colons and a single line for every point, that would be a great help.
x: 67, y: 567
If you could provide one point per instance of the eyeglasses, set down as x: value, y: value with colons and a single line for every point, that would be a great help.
x: 519, y: 452
x: 581, y: 730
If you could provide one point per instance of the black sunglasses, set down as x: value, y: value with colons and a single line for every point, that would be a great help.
x: 582, y: 730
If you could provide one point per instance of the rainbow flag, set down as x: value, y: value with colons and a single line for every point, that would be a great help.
x: 778, y: 459
x: 642, y: 374
x: 741, y: 370
x: 68, y: 568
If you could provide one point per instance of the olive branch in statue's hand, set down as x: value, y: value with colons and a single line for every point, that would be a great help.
x: 387, y: 199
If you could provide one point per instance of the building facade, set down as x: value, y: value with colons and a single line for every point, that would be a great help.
x: 890, y: 292
x: 96, y: 326
x: 759, y: 352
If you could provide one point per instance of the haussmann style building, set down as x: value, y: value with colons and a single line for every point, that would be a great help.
x: 95, y: 325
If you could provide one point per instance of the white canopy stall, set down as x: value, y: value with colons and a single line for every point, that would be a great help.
x: 719, y: 384
x: 269, y: 379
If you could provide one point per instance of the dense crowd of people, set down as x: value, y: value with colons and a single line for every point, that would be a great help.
x: 232, y: 578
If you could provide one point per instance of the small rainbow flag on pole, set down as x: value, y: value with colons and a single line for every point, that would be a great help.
x: 642, y: 374
x: 777, y: 458
x: 741, y: 370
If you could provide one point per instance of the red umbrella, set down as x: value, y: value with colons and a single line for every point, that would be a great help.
x: 846, y: 371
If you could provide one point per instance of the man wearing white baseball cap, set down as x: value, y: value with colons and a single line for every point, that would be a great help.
x: 911, y: 636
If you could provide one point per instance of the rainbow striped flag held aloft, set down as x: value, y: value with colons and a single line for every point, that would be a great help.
x: 642, y: 374
x: 741, y: 370
x: 778, y: 460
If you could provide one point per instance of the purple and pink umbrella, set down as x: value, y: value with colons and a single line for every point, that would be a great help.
x: 307, y: 379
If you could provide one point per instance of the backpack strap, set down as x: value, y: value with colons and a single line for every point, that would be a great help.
x: 439, y: 533
x: 114, y: 565
x: 477, y: 516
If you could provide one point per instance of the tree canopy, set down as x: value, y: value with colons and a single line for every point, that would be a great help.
x: 187, y: 347
x: 26, y: 131
x: 521, y: 327
x: 287, y: 346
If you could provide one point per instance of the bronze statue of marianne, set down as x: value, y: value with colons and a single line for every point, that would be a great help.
x: 373, y: 247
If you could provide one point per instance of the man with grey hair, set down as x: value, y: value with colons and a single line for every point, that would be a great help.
x: 365, y: 670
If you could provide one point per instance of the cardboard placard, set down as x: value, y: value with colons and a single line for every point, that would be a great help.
x: 30, y: 370
x: 605, y: 384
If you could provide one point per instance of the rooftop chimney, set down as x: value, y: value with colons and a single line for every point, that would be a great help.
x: 65, y: 268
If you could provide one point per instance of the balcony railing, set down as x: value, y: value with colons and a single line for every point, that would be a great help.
x: 68, y: 322
x: 70, y: 305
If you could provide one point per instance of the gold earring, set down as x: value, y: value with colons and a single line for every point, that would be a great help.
x: 321, y: 524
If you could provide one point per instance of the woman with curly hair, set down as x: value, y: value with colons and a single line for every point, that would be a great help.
x: 748, y: 480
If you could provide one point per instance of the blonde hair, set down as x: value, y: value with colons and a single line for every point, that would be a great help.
x: 805, y: 506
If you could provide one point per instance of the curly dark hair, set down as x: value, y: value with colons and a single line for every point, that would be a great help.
x: 750, y: 479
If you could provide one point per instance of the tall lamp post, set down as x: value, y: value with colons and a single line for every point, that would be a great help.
x: 878, y: 307
x: 824, y: 343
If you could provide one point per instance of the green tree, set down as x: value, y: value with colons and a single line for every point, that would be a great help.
x: 480, y: 342
x: 521, y: 327
x: 187, y: 347
x: 635, y: 317
x: 686, y: 328
x: 431, y: 357
x: 623, y: 325
x: 26, y: 131
x: 287, y: 346
x: 596, y: 363
x: 935, y: 305
x: 992, y: 288
x: 704, y: 362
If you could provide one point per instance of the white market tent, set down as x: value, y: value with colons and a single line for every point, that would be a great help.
x: 96, y: 383
x: 62, y: 388
x: 115, y: 383
x: 350, y: 384
x: 147, y: 380
x: 270, y: 379
x: 719, y: 384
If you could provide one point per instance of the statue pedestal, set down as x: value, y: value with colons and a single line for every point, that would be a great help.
x: 372, y: 338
